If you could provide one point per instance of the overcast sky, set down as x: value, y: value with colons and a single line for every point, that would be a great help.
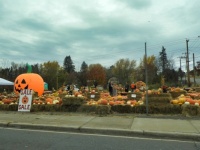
x: 97, y: 31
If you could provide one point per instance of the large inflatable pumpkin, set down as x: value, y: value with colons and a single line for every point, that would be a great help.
x: 31, y: 81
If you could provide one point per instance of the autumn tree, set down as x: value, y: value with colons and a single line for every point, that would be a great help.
x: 151, y: 69
x: 97, y: 73
x: 49, y: 72
x: 124, y: 69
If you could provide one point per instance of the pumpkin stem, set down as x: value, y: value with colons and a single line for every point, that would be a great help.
x: 29, y: 68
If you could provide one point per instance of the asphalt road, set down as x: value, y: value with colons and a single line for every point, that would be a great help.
x: 47, y: 140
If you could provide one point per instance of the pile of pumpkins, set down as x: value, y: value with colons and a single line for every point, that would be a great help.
x: 8, y: 99
x: 54, y: 98
x: 185, y: 99
x: 106, y: 99
x: 50, y: 99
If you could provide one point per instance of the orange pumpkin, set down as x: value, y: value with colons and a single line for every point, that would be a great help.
x: 76, y: 94
x: 191, y: 101
x: 30, y: 81
x: 119, y: 102
x: 103, y: 102
x: 111, y: 103
x: 49, y: 100
x: 7, y: 101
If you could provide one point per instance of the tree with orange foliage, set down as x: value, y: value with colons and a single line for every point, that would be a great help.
x: 97, y: 73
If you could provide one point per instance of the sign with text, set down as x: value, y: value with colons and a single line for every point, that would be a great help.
x: 133, y: 95
x: 25, y: 100
x: 92, y: 96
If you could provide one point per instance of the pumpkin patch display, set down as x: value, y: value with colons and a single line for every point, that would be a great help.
x: 30, y: 81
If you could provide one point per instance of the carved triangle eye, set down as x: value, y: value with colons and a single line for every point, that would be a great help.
x: 16, y: 82
x: 23, y: 81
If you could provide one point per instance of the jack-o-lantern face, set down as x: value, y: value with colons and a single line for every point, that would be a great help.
x: 31, y: 81
x: 25, y: 100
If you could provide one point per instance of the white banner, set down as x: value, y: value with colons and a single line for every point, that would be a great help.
x: 25, y: 100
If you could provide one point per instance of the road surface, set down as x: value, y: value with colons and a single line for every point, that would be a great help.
x: 20, y: 139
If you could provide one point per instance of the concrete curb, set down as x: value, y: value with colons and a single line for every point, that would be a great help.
x: 103, y: 131
x: 173, y: 135
x: 39, y: 127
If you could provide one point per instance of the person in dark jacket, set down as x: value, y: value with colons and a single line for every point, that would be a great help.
x: 110, y: 88
x: 126, y: 87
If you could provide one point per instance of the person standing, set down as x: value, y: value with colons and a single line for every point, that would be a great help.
x: 126, y: 87
x: 110, y: 88
x: 133, y: 87
x: 164, y: 89
x: 95, y: 83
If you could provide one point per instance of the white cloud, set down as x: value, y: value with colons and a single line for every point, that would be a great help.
x: 99, y: 31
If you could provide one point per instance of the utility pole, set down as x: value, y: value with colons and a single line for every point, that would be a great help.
x: 187, y: 63
x: 194, y: 69
x: 146, y: 79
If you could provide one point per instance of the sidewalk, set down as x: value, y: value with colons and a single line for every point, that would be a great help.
x: 122, y: 125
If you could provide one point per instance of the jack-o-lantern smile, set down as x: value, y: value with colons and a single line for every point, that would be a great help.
x: 31, y: 81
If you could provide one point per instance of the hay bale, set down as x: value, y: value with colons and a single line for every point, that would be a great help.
x: 8, y: 107
x: 122, y: 108
x: 164, y: 109
x: 139, y: 109
x: 158, y: 100
x: 4, y: 107
x: 190, y: 110
x: 36, y: 108
x: 163, y: 98
x: 160, y: 95
x: 69, y: 108
x: 103, y: 110
x: 177, y: 94
x: 52, y: 107
x: 87, y: 108
x: 13, y: 107
x: 73, y: 101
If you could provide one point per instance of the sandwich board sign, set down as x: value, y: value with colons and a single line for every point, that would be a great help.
x: 25, y: 100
